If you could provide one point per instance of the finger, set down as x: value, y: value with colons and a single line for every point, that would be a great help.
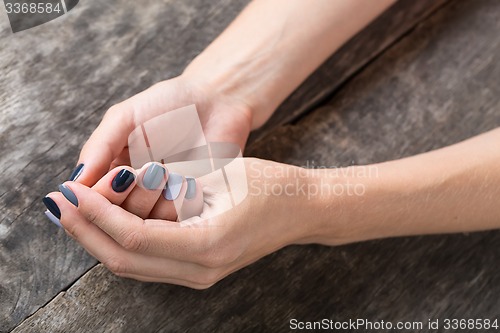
x: 105, y: 144
x: 172, y: 196
x: 125, y: 263
x: 122, y: 159
x: 117, y: 184
x: 82, y: 230
x: 189, y: 284
x: 192, y: 204
x: 153, y: 237
x: 187, y: 204
x: 164, y: 210
x: 151, y: 181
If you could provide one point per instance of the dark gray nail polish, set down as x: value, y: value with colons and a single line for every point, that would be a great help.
x: 174, y: 185
x: 153, y: 177
x: 191, y: 188
x: 68, y: 194
x: 76, y: 173
x: 52, y: 207
x: 122, y: 181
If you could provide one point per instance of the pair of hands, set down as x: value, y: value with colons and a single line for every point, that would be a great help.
x: 233, y: 94
x: 134, y: 231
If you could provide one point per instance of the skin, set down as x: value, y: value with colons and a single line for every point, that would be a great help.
x: 435, y: 192
x: 240, y: 79
x: 236, y: 84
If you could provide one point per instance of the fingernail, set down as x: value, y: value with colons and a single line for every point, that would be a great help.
x: 68, y: 194
x: 174, y: 185
x: 52, y: 207
x: 53, y: 219
x: 76, y: 172
x: 153, y: 177
x: 191, y: 188
x: 122, y: 181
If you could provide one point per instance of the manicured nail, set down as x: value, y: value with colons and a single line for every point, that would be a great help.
x: 53, y: 219
x: 76, y: 172
x: 52, y: 207
x: 191, y: 188
x: 68, y: 194
x: 122, y: 181
x: 174, y: 185
x: 153, y: 177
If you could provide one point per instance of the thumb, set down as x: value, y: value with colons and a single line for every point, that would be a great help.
x: 104, y: 145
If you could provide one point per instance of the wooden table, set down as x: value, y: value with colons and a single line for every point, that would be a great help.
x: 422, y: 76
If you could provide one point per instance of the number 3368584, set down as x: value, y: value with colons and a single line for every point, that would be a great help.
x: 32, y: 8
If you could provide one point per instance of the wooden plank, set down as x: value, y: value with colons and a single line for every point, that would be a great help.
x: 56, y: 81
x: 437, y: 86
x: 349, y: 59
x: 53, y: 96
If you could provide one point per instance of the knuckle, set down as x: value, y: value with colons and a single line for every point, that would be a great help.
x: 215, y: 259
x: 201, y: 286
x: 92, y: 216
x: 113, y: 110
x: 97, y: 214
x: 214, y: 251
x: 73, y: 231
x: 135, y: 241
x: 76, y: 230
x: 116, y: 265
x: 141, y: 203
x: 208, y: 278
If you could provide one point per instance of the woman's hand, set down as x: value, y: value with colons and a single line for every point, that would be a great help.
x: 223, y: 118
x: 436, y: 192
x: 239, y: 80
x: 201, y: 250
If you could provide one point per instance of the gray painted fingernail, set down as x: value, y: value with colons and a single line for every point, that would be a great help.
x: 53, y: 219
x: 68, y: 194
x: 174, y: 185
x: 153, y: 177
x: 191, y: 188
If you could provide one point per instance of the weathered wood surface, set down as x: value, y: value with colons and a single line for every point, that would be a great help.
x: 437, y: 86
x: 56, y: 80
x: 349, y: 59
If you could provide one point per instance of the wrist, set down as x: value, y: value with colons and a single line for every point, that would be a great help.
x: 321, y: 206
x: 236, y: 84
x: 223, y: 119
x: 342, y: 203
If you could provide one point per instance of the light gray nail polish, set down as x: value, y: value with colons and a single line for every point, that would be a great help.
x: 191, y: 188
x: 68, y: 194
x: 174, y: 185
x: 153, y: 177
x: 53, y: 219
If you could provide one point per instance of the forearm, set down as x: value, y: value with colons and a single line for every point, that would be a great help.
x: 274, y: 45
x: 454, y: 189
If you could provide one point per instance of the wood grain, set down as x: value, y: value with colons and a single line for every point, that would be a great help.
x: 349, y: 59
x: 437, y: 86
x: 59, y: 78
x: 56, y: 81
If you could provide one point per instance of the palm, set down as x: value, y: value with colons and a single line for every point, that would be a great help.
x: 221, y: 120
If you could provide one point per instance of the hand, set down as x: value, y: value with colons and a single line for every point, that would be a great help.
x: 201, y: 250
x: 224, y: 119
